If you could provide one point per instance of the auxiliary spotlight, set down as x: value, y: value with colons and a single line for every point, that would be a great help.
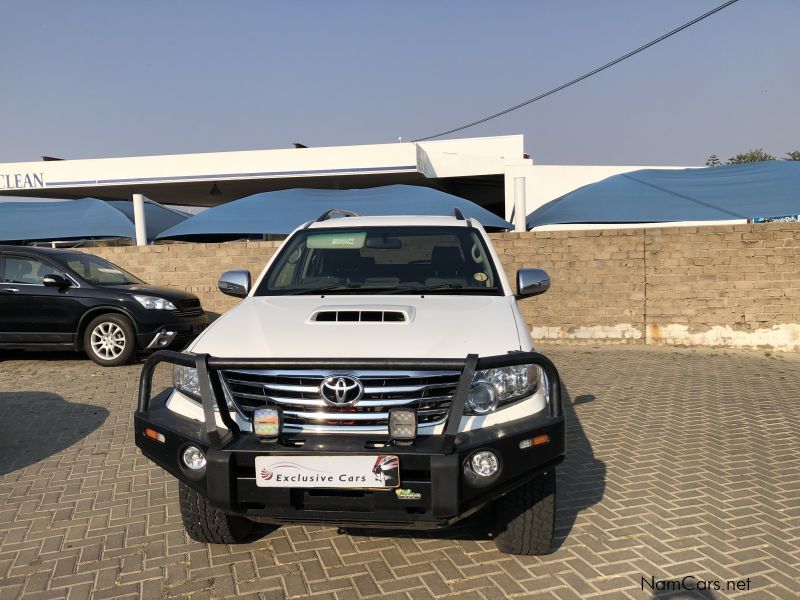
x: 402, y: 425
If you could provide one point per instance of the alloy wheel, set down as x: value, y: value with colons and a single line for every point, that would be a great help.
x: 108, y: 340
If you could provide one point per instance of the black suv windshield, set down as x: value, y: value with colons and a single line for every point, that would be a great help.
x: 383, y: 260
x: 98, y: 271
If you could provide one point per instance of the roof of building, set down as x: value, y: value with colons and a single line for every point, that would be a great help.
x: 472, y: 168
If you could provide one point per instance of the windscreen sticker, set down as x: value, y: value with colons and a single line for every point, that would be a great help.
x: 336, y: 240
x: 481, y: 276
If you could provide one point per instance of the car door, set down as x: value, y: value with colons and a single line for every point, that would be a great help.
x: 31, y: 312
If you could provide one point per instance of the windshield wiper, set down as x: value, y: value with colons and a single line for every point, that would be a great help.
x: 411, y: 289
x: 424, y: 289
x: 336, y: 287
x: 342, y: 287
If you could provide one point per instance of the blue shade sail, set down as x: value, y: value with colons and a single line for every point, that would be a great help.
x: 282, y: 211
x: 30, y: 221
x: 747, y: 191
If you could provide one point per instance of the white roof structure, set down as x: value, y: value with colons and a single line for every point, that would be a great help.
x: 471, y: 168
x: 493, y: 172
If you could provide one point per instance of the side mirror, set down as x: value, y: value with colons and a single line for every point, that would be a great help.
x: 532, y: 282
x: 56, y: 281
x: 235, y: 283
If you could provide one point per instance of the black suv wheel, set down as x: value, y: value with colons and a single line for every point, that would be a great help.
x: 109, y: 340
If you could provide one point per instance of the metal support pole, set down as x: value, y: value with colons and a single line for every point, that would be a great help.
x: 520, y: 213
x: 139, y: 220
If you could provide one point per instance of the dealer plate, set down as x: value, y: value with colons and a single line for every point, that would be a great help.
x: 293, y: 471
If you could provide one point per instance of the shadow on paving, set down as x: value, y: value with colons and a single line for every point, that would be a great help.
x: 37, y: 425
x: 45, y: 355
x: 581, y: 484
x: 61, y: 356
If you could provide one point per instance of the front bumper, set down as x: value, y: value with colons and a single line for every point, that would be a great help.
x: 435, y: 493
x: 177, y: 331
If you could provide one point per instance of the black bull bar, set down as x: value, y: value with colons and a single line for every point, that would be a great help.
x: 213, y: 398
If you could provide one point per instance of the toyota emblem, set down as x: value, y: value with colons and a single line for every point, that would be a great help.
x: 341, y: 390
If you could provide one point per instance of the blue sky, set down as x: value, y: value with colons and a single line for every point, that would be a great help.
x: 93, y: 79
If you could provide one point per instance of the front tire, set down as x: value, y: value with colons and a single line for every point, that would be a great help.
x: 525, y: 517
x: 109, y: 340
x: 207, y: 524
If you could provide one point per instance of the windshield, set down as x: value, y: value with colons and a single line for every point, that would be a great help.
x: 98, y: 271
x: 383, y: 260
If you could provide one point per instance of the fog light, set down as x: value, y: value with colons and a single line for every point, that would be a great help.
x: 267, y: 422
x: 194, y: 458
x: 484, y: 463
x: 402, y: 424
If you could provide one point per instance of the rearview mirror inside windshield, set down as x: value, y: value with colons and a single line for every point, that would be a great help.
x: 384, y: 243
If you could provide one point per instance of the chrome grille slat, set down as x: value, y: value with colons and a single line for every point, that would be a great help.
x: 361, y: 374
x: 362, y: 403
x: 304, y: 408
x: 403, y: 389
x: 336, y: 416
x: 432, y: 411
x: 307, y: 389
x: 311, y: 389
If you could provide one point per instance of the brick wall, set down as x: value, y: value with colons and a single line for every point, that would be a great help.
x: 598, y: 288
x: 719, y: 286
x: 735, y: 285
x: 192, y: 267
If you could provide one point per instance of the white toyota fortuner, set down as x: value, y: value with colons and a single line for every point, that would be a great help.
x: 378, y: 373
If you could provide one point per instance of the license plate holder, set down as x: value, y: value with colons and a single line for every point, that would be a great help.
x: 377, y: 471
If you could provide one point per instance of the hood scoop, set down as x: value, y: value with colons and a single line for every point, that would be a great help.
x: 366, y: 314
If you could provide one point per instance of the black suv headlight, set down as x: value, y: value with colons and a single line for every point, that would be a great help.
x: 154, y: 303
x: 492, y: 388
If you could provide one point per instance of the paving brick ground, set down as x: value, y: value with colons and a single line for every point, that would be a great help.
x: 680, y: 463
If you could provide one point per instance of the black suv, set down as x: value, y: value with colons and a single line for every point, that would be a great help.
x: 69, y: 299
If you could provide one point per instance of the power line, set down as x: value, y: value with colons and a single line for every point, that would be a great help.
x: 582, y: 77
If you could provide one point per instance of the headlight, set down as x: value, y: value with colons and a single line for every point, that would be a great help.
x: 482, y: 397
x: 495, y: 387
x: 154, y: 302
x: 185, y: 380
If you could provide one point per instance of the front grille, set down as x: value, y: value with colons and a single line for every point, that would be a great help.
x: 188, y: 308
x: 297, y: 393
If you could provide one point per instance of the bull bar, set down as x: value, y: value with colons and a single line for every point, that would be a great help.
x: 212, y: 396
x: 448, y: 498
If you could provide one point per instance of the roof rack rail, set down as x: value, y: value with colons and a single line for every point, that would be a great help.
x: 460, y: 216
x: 336, y: 211
x: 329, y: 213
